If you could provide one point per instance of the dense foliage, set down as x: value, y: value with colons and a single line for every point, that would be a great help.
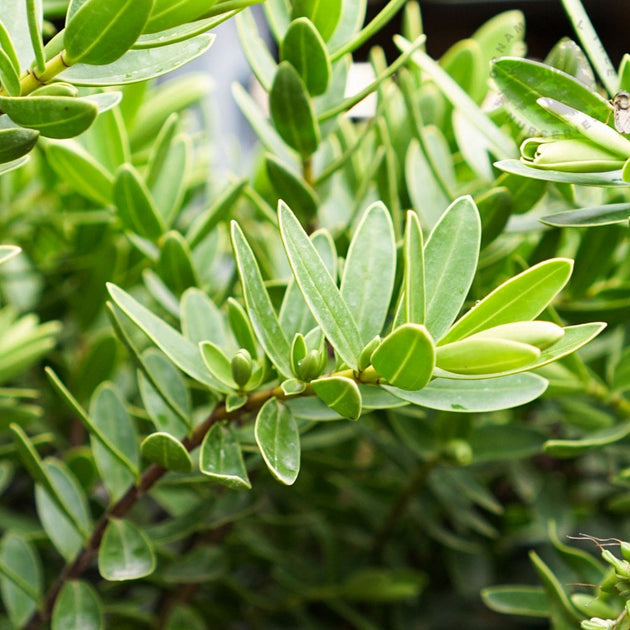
x: 372, y: 314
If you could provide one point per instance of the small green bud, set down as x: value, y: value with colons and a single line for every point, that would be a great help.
x: 241, y: 367
x: 622, y: 567
x: 365, y: 358
x: 458, y: 452
x: 598, y: 624
x: 625, y: 550
x: 310, y: 366
x: 56, y: 89
x: 298, y: 352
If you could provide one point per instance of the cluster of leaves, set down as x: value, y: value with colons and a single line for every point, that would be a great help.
x: 249, y: 314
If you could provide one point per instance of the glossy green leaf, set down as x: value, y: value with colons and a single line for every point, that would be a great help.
x: 413, y: 303
x: 125, y: 552
x: 304, y: 48
x: 163, y: 449
x: 39, y: 472
x: 219, y: 210
x: 292, y: 189
x: 501, y: 35
x: 530, y: 601
x: 324, y: 14
x: 339, y: 393
x: 163, y: 416
x: 292, y: 112
x: 520, y: 298
x: 479, y: 396
x: 8, y: 48
x: 62, y: 531
x: 101, y: 31
x: 319, y: 290
x: 81, y: 171
x: 202, y: 320
x: 217, y: 363
x: 241, y: 327
x: 465, y: 63
x: 505, y: 443
x: 524, y: 81
x: 406, y: 357
x: 166, y: 14
x: 597, y: 439
x: 259, y: 308
x: 111, y: 418
x: 369, y: 271
x: 256, y: 50
x: 609, y: 179
x: 278, y: 440
x: 78, y: 607
x: 596, y: 216
x: 180, y: 33
x: 16, y: 142
x: 139, y: 65
x: 175, y: 264
x: 450, y: 263
x: 9, y: 76
x: 180, y: 350
x: 220, y: 458
x: 135, y: 205
x: 20, y: 578
x: 52, y: 116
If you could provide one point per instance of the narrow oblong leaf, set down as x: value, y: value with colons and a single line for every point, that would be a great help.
x: 519, y: 299
x: 52, y: 116
x: 135, y: 205
x: 325, y: 14
x: 125, y: 552
x: 597, y: 439
x: 291, y: 188
x: 339, y: 393
x: 256, y: 50
x: 478, y: 396
x: 166, y: 14
x: 175, y: 264
x: 530, y: 601
x: 292, y: 112
x: 319, y: 290
x: 16, y: 142
x: 78, y: 607
x: 165, y: 450
x: 278, y: 440
x: 304, y: 48
x: 450, y: 263
x: 406, y: 357
x: 414, y: 296
x: 218, y: 363
x: 101, y: 31
x: 259, y: 308
x: 369, y: 271
x: 220, y: 458
x: 8, y: 75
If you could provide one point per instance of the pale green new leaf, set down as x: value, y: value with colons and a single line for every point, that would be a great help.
x: 125, y: 552
x: 78, y: 607
x: 220, y: 458
x: 163, y: 449
x: 339, y: 393
x: 319, y: 289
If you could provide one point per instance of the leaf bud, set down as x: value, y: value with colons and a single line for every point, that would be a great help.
x: 365, y: 358
x: 458, y: 452
x: 241, y: 367
x: 310, y: 366
x: 298, y: 352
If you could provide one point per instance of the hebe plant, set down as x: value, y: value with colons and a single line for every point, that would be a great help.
x: 209, y: 333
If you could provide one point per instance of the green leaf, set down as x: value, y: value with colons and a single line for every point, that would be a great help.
x: 7, y: 252
x: 8, y: 48
x: 484, y: 356
x: 9, y: 76
x: 62, y: 531
x: 304, y: 48
x: 278, y: 440
x: 163, y: 449
x: 406, y: 357
x: 169, y: 13
x: 220, y: 458
x: 339, y: 393
x: 324, y: 14
x: 241, y: 327
x: 450, y: 262
x: 117, y: 459
x: 520, y: 298
x: 319, y: 289
x: 369, y: 271
x: 505, y: 443
x: 139, y: 65
x: 20, y: 578
x: 202, y: 320
x: 52, y: 116
x: 180, y: 350
x: 292, y: 189
x: 259, y: 308
x: 81, y: 171
x: 479, y: 396
x: 259, y: 58
x: 412, y: 302
x: 217, y: 363
x: 136, y: 208
x: 607, y: 214
x: 530, y: 601
x: 16, y: 142
x: 597, y: 439
x: 292, y: 112
x: 101, y: 31
x: 524, y: 81
x: 175, y: 265
x: 38, y: 471
x: 78, y: 607
x: 125, y: 552
x: 202, y: 564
